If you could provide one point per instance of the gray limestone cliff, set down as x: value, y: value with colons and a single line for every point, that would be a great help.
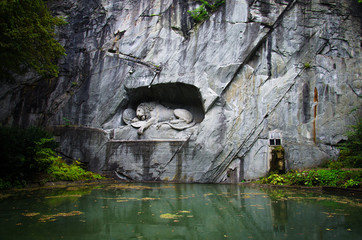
x: 254, y: 75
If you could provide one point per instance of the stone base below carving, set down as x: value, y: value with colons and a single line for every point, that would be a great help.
x: 130, y: 160
x: 148, y: 160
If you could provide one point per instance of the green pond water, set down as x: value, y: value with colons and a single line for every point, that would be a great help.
x: 177, y: 211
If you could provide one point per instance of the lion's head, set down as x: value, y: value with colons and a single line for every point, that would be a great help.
x: 144, y: 110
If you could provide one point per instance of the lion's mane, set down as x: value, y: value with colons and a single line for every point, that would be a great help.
x: 147, y: 108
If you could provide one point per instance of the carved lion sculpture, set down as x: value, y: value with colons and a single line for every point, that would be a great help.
x: 149, y: 113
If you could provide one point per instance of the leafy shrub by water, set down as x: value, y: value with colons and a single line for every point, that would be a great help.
x: 335, y: 165
x: 25, y: 154
x: 60, y: 171
x: 28, y: 155
x: 350, y: 157
x: 322, y: 177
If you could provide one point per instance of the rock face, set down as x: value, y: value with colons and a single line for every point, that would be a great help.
x: 255, y: 73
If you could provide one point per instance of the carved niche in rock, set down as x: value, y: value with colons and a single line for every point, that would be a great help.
x: 153, y: 113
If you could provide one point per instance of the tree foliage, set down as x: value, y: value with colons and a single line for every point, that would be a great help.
x: 25, y: 153
x: 27, y: 38
x: 351, y: 150
x: 29, y: 155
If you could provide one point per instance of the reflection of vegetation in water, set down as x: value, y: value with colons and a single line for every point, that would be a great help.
x: 70, y: 194
x: 284, y: 203
x: 277, y: 194
x: 309, y: 196
x: 136, y: 187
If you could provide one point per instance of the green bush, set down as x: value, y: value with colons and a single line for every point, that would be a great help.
x: 351, y: 150
x: 277, y: 179
x: 199, y: 14
x: 335, y: 165
x: 60, y: 171
x: 5, y: 184
x: 274, y: 179
x: 351, y: 183
x: 24, y: 153
x: 323, y: 177
x: 28, y: 155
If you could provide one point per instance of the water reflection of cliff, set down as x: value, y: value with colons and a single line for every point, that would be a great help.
x: 210, y: 211
x: 194, y: 211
